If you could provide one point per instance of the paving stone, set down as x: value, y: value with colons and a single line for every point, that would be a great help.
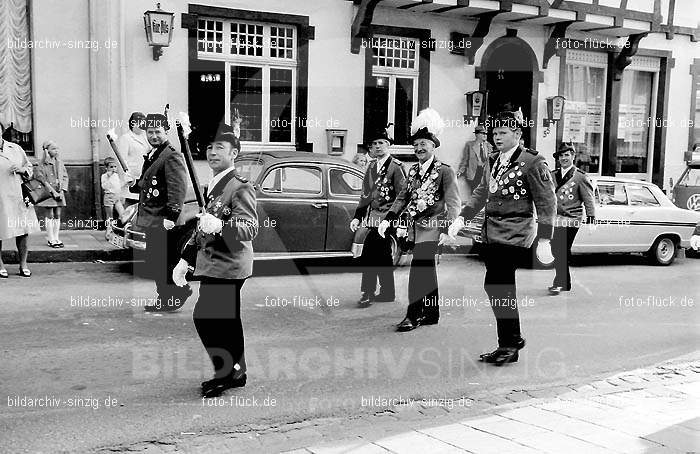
x: 504, y: 427
x: 677, y: 437
x: 413, y: 442
x: 518, y: 396
x: 473, y: 440
x: 350, y: 445
x: 557, y: 443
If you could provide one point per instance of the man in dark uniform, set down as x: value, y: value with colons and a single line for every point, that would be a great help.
x: 221, y: 252
x: 161, y: 187
x: 383, y: 179
x: 431, y: 198
x: 516, y: 182
x: 574, y: 191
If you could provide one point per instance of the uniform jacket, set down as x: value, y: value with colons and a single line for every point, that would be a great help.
x: 573, y: 191
x: 162, y: 187
x: 379, y: 190
x: 525, y: 187
x: 473, y: 158
x: 431, y: 202
x: 229, y: 253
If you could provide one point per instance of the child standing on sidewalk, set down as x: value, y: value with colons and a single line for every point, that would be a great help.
x: 53, y: 174
x: 113, y: 187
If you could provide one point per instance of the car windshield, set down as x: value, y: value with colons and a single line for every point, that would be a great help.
x: 692, y: 178
x: 249, y: 169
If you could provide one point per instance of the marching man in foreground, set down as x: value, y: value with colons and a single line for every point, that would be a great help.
x: 221, y: 253
x: 517, y: 183
x: 431, y: 198
x: 383, y: 179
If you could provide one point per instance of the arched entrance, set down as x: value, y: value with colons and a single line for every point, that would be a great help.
x: 510, y: 72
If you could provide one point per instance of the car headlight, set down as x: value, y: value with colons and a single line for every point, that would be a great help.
x: 128, y: 213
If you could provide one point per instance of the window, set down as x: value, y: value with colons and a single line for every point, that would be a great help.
x: 344, y: 182
x: 293, y: 180
x: 612, y: 194
x: 393, y: 89
x: 249, y: 169
x: 15, y: 75
x: 635, y: 122
x: 260, y: 74
x: 584, y: 109
x: 641, y: 196
x: 694, y: 133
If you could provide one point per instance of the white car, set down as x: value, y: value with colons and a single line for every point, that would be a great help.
x: 632, y: 216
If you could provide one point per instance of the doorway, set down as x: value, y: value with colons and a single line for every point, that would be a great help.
x: 510, y: 73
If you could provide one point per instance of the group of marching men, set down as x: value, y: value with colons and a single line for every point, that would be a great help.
x: 423, y: 206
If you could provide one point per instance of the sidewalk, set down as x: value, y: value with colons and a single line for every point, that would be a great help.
x: 653, y: 410
x: 80, y: 246
x: 90, y: 245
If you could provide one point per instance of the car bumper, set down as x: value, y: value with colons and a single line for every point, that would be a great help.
x: 125, y: 237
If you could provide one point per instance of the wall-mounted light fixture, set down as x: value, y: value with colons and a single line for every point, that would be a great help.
x: 477, y: 102
x: 555, y: 110
x: 159, y: 29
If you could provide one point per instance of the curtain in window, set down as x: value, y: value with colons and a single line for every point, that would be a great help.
x: 15, y: 75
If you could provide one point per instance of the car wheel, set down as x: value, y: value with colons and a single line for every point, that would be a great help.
x: 663, y: 252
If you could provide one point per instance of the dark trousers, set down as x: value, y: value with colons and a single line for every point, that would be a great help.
x: 501, y: 261
x: 562, y: 240
x: 377, y: 264
x: 161, y: 256
x: 422, y: 283
x: 217, y: 317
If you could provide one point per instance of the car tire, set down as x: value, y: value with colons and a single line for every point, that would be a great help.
x: 663, y: 251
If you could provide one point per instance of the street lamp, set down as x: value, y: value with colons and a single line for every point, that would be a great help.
x: 159, y: 29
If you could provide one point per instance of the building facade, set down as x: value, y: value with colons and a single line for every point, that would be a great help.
x: 316, y: 75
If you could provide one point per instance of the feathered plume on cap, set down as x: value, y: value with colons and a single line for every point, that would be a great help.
x: 427, y: 125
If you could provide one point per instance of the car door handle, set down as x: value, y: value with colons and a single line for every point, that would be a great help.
x: 319, y: 205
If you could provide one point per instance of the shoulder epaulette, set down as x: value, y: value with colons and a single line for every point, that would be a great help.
x: 240, y: 178
x: 531, y: 151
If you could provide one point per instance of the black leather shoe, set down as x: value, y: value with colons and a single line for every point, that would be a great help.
x: 218, y: 386
x: 430, y: 320
x: 500, y: 356
x: 554, y: 290
x: 407, y: 325
x: 383, y: 298
x: 520, y: 344
x: 365, y: 301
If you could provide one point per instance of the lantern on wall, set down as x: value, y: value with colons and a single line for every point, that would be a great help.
x: 477, y: 102
x: 555, y: 110
x: 159, y: 29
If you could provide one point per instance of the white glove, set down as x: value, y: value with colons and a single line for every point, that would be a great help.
x: 354, y: 224
x: 445, y: 239
x: 455, y: 227
x: 208, y: 223
x: 168, y: 224
x: 695, y: 242
x: 382, y: 228
x: 179, y: 273
x: 401, y: 232
x: 544, y: 252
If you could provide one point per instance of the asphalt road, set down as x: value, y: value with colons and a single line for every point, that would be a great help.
x: 111, y: 375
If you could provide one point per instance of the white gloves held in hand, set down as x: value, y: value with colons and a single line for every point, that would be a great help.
x: 544, y: 251
x: 455, y: 227
x: 179, y: 273
x: 354, y: 225
x: 208, y: 223
x: 382, y: 228
x: 695, y: 242
x: 168, y: 224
